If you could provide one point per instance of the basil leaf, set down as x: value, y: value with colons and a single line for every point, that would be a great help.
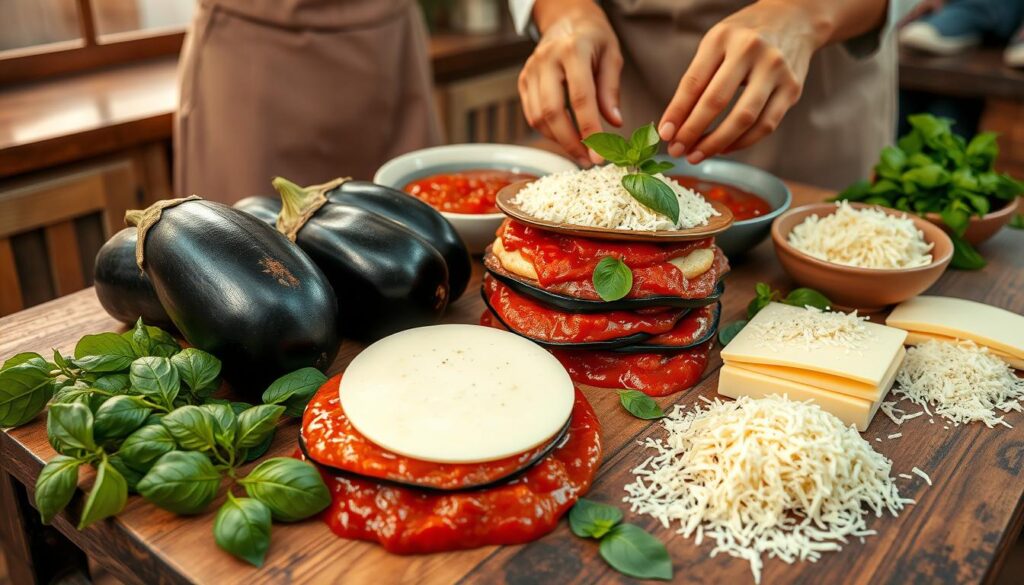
x: 643, y: 144
x: 56, y: 485
x: 112, y: 383
x: 70, y: 425
x: 982, y: 151
x: 727, y: 333
x: 1017, y: 222
x: 632, y: 551
x: 590, y: 519
x: 292, y: 489
x: 256, y: 423
x: 854, y: 192
x: 804, y: 297
x: 152, y: 341
x: 73, y: 394
x: 102, y: 363
x: 640, y: 405
x: 192, y: 427
x: 144, y: 446
x: 611, y: 147
x: 653, y: 167
x: 20, y: 358
x: 763, y: 295
x: 955, y: 218
x: 295, y: 389
x: 198, y: 370
x: 929, y: 176
x: 61, y: 363
x: 156, y: 378
x: 131, y: 476
x: 242, y: 528
x: 104, y: 344
x: 892, y: 158
x: 184, y: 482
x: 119, y: 416
x: 612, y: 278
x: 25, y: 388
x: 254, y: 453
x: 225, y: 423
x: 107, y: 497
x: 141, y: 342
x: 965, y: 257
x: 653, y: 194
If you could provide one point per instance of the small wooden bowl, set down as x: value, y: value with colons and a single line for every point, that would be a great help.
x: 981, y: 228
x: 850, y: 287
x: 716, y: 223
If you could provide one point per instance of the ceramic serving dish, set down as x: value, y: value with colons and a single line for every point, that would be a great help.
x: 850, y: 287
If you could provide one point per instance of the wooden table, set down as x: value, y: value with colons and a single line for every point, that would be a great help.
x: 958, y: 532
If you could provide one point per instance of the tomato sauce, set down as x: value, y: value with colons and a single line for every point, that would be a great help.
x: 743, y: 204
x: 565, y: 264
x: 332, y: 441
x: 412, y: 521
x: 532, y: 319
x: 470, y: 191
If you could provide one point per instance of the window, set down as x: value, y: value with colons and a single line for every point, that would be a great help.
x: 42, y: 38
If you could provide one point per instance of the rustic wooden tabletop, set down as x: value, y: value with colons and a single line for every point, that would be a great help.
x: 958, y: 532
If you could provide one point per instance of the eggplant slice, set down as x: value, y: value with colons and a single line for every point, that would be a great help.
x: 552, y: 444
x: 591, y: 345
x: 531, y: 289
x: 651, y: 348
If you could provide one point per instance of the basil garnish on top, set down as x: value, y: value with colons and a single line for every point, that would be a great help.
x: 612, y: 279
x: 635, y: 155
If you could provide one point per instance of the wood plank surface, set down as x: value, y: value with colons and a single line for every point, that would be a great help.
x: 956, y: 533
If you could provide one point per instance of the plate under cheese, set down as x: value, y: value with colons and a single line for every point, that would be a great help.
x: 456, y: 394
x: 936, y: 317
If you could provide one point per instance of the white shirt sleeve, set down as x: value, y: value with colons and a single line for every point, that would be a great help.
x: 521, y: 11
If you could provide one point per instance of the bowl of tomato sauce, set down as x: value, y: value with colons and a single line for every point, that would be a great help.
x: 462, y: 180
x: 754, y: 196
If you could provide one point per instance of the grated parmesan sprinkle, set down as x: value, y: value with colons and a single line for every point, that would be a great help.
x: 922, y: 475
x: 764, y: 476
x: 811, y: 328
x: 595, y: 197
x: 962, y: 382
x: 866, y: 238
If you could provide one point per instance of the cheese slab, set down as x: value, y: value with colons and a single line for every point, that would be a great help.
x: 833, y: 383
x: 794, y: 337
x: 456, y: 394
x: 917, y: 338
x: 983, y: 324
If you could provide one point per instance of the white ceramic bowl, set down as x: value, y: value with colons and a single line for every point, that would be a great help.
x: 477, y: 230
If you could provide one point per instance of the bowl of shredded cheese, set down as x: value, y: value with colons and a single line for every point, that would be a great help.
x: 861, y: 256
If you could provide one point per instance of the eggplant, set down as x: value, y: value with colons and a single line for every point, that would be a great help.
x: 652, y: 348
x: 235, y: 287
x: 123, y: 289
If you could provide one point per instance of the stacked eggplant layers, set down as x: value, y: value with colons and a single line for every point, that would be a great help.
x: 656, y: 339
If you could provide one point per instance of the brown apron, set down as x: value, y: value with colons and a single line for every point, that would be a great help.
x: 830, y: 138
x: 305, y: 89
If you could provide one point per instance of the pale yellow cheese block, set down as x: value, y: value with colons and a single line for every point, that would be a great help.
x: 829, y: 382
x: 735, y: 381
x: 868, y: 362
x: 983, y: 324
x: 917, y: 338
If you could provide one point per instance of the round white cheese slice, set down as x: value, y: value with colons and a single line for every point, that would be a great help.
x: 456, y: 394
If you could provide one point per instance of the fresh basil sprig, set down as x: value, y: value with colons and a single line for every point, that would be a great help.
x: 640, y: 405
x: 635, y: 155
x: 764, y: 294
x: 612, y: 279
x: 627, y: 548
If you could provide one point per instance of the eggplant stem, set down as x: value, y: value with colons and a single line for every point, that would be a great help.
x: 300, y: 204
x: 143, y: 219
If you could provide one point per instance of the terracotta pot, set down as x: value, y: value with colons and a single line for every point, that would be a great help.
x: 981, y: 228
x: 849, y: 287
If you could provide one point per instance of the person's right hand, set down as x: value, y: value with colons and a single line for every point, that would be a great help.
x: 577, y: 51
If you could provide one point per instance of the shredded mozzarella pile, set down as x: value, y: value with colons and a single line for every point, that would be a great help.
x: 960, y: 381
x: 811, y: 328
x: 866, y: 238
x: 765, y: 475
x: 595, y: 197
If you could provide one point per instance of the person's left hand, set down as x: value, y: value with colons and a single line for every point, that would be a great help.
x: 765, y: 47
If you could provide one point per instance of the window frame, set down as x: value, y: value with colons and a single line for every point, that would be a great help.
x: 87, y: 53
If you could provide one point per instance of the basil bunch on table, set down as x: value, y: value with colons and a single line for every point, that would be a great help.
x: 933, y: 170
x: 139, y: 409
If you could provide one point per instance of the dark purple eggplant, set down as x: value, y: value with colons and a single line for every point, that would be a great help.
x: 123, y: 289
x: 238, y: 289
x: 387, y: 278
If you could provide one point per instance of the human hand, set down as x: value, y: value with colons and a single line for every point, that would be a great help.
x: 578, y: 52
x: 765, y: 47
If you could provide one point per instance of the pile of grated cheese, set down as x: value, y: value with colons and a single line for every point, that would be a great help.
x: 811, y: 328
x: 767, y: 475
x: 595, y: 197
x: 961, y: 381
x: 866, y: 238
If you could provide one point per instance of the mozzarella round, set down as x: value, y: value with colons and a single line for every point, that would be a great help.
x: 456, y: 394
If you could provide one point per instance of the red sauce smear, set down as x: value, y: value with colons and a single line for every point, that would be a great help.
x: 470, y: 191
x: 742, y: 203
x: 332, y: 441
x: 565, y: 264
x: 654, y: 374
x: 412, y: 521
x: 532, y: 319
